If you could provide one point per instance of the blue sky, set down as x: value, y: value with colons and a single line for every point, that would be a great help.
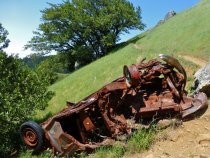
x: 22, y: 17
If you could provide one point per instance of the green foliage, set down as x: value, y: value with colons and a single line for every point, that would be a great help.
x: 48, y: 68
x: 33, y: 60
x: 46, y: 71
x: 85, y: 29
x: 141, y: 140
x: 21, y: 94
x: 4, y: 42
x: 28, y: 154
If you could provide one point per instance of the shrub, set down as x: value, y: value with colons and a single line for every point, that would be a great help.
x: 21, y: 94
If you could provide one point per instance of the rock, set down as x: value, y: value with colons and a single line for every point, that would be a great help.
x: 204, y: 139
x: 160, y: 22
x: 164, y: 123
x: 173, y: 136
x: 169, y: 15
x: 202, y: 80
x: 204, y: 156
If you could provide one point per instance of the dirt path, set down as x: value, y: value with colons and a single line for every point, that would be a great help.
x: 195, y: 60
x: 190, y: 140
x: 137, y: 46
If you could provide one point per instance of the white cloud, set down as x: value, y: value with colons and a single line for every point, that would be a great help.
x: 17, y: 48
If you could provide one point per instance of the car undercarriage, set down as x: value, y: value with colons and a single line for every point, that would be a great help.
x: 149, y: 90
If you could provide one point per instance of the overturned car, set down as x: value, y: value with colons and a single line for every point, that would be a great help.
x: 147, y: 90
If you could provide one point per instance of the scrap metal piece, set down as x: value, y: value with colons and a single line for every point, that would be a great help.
x: 147, y: 90
x: 175, y: 63
x: 132, y: 75
x: 200, y: 101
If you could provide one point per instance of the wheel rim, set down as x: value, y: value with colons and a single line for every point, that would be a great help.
x: 30, y: 137
x: 132, y: 75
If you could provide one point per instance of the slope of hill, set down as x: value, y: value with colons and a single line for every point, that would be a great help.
x: 186, y: 34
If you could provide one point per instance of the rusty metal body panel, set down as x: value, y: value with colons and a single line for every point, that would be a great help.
x: 147, y: 90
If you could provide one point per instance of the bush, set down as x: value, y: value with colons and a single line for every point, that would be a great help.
x: 48, y: 69
x: 21, y: 94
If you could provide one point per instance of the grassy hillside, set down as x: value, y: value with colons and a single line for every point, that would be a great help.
x: 187, y: 33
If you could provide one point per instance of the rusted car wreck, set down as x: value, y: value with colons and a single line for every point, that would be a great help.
x: 153, y: 88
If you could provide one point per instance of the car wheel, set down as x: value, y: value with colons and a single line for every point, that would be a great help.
x: 131, y: 75
x: 32, y: 136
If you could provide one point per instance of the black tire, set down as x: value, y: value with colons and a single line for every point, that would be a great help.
x: 32, y: 136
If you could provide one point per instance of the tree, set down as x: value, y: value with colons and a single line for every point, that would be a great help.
x: 33, y: 60
x: 4, y: 42
x: 86, y: 29
x: 48, y: 69
x: 21, y: 94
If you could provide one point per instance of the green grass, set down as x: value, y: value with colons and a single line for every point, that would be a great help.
x: 28, y: 154
x: 190, y: 69
x: 61, y: 76
x: 141, y: 140
x: 187, y: 33
x: 109, y: 152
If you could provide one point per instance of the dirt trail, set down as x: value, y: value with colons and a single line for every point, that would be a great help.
x: 137, y: 46
x: 195, y: 60
x: 190, y: 140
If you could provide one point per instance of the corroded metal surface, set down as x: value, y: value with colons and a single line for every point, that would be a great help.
x: 30, y: 138
x: 148, y: 90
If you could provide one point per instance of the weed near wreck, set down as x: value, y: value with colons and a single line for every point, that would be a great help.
x: 139, y: 141
x: 28, y: 154
x: 109, y: 152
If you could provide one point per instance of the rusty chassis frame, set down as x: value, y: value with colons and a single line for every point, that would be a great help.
x: 147, y: 90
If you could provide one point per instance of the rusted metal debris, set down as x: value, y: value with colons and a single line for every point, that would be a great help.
x: 147, y: 90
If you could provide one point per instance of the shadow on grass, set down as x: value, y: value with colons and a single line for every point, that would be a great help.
x: 44, y: 118
x: 124, y: 44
